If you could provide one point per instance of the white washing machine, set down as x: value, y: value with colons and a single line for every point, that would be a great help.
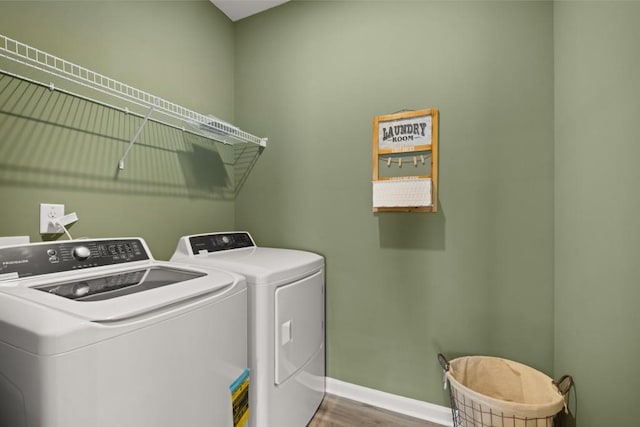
x: 97, y: 333
x: 286, y: 322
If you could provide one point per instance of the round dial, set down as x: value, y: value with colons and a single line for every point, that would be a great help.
x: 81, y: 253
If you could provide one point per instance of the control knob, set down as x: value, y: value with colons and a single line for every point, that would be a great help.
x: 81, y: 253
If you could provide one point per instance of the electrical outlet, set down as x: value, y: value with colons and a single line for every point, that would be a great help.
x: 49, y: 212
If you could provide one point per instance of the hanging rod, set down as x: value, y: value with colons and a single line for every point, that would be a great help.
x: 35, y: 58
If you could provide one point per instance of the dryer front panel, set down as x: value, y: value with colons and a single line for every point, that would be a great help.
x: 299, y: 324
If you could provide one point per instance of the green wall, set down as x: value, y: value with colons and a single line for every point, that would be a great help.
x: 532, y: 253
x: 476, y: 277
x: 58, y: 149
x: 597, y: 227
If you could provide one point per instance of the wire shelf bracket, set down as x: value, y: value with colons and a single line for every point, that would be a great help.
x: 136, y: 136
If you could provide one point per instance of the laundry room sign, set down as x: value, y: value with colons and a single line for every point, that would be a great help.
x: 404, y: 132
x: 405, y: 161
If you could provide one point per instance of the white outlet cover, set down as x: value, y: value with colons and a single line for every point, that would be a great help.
x: 49, y: 211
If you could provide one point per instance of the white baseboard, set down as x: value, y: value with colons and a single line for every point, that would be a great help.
x: 391, y: 402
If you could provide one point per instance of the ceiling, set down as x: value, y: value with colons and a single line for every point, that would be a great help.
x: 238, y: 9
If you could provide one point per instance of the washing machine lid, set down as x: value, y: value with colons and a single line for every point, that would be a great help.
x: 57, y: 296
x: 112, y: 295
x: 47, y: 323
x: 101, y: 280
x: 119, y: 284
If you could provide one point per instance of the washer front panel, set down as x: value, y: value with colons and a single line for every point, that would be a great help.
x: 54, y: 257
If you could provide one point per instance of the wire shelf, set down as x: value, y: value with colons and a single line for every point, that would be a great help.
x: 207, y: 126
x: 185, y: 164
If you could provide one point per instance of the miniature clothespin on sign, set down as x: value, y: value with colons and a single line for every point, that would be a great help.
x: 388, y: 161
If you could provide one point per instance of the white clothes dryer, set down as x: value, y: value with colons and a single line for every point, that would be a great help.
x: 286, y: 322
x: 97, y: 333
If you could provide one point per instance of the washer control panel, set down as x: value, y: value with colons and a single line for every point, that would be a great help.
x: 55, y: 257
x: 220, y: 242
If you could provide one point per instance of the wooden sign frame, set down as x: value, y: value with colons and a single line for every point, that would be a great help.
x: 407, y: 135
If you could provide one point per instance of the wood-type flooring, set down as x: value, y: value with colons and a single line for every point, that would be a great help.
x: 340, y: 412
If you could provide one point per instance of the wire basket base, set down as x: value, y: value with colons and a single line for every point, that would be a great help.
x: 469, y: 413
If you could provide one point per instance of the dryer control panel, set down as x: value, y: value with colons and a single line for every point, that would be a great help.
x: 55, y: 257
x: 220, y: 242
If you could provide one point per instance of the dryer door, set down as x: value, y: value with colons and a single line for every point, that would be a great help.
x: 299, y: 327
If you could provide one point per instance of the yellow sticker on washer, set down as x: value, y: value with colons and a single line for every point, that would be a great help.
x: 240, y: 399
